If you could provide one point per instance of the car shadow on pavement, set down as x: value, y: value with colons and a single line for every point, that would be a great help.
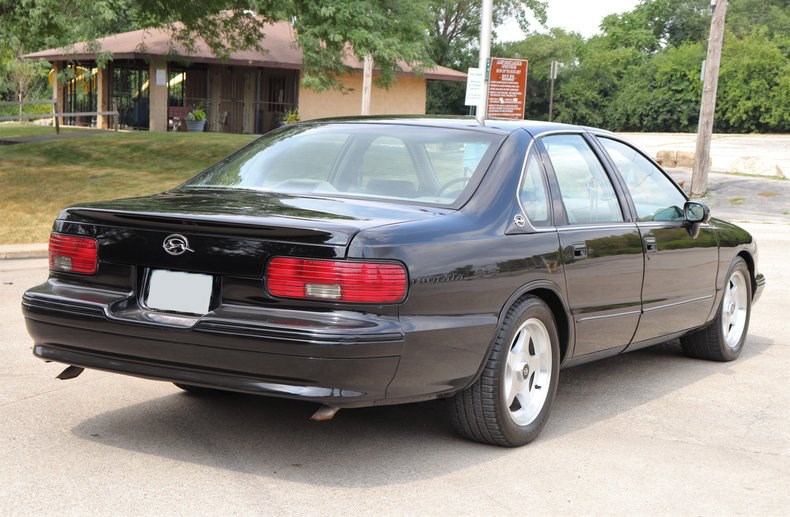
x: 380, y: 446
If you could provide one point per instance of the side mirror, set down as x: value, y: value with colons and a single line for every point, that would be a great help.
x: 696, y: 212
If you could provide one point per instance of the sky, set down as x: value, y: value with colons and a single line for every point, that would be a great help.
x: 582, y: 16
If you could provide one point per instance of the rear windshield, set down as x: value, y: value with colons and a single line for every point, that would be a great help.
x: 413, y: 163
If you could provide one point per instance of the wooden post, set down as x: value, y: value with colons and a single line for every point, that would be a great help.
x: 699, y: 178
x: 57, y: 94
x: 367, y: 79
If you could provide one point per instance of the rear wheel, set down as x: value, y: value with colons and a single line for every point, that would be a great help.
x: 510, y: 403
x: 723, y: 339
x: 201, y: 391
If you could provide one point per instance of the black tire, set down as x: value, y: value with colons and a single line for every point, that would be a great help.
x: 481, y: 412
x: 202, y: 391
x: 711, y: 342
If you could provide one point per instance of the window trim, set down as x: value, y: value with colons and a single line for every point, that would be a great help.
x: 561, y: 219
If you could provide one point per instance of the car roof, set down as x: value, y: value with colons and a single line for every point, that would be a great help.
x: 500, y: 126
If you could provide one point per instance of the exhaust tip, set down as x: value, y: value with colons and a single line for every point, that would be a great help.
x: 325, y: 413
x: 70, y: 373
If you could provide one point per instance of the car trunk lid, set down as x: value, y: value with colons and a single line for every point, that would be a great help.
x: 230, y: 231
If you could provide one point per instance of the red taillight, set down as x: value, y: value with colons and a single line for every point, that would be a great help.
x: 336, y: 280
x: 72, y: 254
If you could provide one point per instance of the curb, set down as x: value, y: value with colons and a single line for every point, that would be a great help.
x: 23, y: 251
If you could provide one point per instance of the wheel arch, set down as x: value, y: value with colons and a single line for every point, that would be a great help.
x: 552, y: 296
x: 747, y: 257
x: 561, y: 316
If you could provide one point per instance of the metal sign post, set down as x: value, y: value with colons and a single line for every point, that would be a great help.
x: 552, y: 76
x: 485, y: 53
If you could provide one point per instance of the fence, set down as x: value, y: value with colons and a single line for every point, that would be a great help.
x: 56, y: 116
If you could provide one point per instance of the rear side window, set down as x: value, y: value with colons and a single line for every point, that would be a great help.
x: 655, y: 197
x: 585, y: 188
x: 533, y: 193
x: 437, y: 166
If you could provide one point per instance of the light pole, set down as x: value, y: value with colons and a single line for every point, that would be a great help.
x: 485, y: 55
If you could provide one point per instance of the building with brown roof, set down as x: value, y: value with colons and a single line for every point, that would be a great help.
x: 153, y: 82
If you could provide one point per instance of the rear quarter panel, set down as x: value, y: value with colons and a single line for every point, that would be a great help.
x: 463, y: 267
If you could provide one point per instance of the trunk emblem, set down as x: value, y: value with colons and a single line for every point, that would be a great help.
x: 176, y: 244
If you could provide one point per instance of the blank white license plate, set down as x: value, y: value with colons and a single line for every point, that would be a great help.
x: 177, y: 291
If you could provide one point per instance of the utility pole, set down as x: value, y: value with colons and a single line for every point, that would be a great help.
x: 699, y: 178
x: 485, y: 55
x: 552, y: 76
x: 367, y: 80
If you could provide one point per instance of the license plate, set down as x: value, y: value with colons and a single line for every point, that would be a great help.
x: 177, y: 291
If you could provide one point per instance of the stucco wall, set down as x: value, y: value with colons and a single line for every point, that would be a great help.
x: 406, y: 97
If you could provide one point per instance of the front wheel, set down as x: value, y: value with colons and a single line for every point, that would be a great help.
x: 723, y: 339
x: 510, y: 403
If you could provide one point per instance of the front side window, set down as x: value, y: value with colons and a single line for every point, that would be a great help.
x: 586, y: 190
x: 655, y: 197
x: 390, y: 162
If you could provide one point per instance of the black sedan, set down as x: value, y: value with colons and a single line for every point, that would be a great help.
x: 381, y: 261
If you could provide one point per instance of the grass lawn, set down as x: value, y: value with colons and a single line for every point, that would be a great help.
x: 39, y: 179
x: 14, y: 130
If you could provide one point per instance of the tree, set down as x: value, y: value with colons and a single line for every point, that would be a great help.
x: 22, y: 76
x: 661, y: 94
x: 454, y: 31
x: 656, y: 24
x: 391, y: 31
x: 541, y: 50
x: 753, y: 85
x: 770, y: 16
x: 586, y: 93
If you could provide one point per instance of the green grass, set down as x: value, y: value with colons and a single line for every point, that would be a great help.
x: 737, y: 201
x: 39, y: 179
x: 14, y: 130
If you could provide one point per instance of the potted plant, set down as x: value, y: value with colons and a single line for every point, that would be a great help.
x: 196, y: 118
x: 289, y: 117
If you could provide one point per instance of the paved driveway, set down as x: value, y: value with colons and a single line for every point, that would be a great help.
x: 750, y: 153
x: 647, y: 432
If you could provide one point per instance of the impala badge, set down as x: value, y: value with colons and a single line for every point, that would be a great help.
x: 176, y: 244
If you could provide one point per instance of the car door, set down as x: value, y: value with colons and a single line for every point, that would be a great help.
x: 680, y: 264
x: 601, y: 245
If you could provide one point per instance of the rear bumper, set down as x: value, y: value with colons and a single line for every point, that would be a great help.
x: 337, y: 358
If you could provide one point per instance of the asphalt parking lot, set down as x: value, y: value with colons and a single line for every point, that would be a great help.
x: 648, y: 432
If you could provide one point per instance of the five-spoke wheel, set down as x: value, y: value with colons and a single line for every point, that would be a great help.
x: 734, y: 309
x: 528, y: 371
x: 511, y: 400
